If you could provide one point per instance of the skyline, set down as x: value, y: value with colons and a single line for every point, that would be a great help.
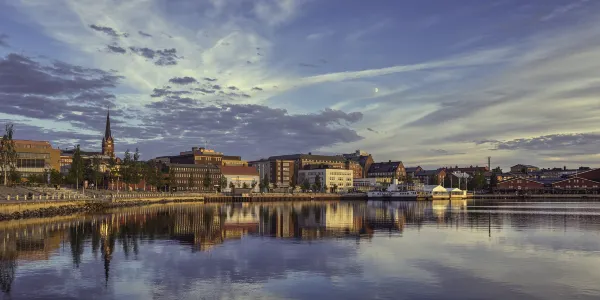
x: 426, y: 84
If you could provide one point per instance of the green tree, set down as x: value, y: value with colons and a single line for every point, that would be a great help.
x: 136, y: 168
x: 96, y: 174
x: 127, y: 169
x: 55, y: 177
x: 493, y: 181
x: 293, y: 183
x: 207, y: 180
x: 223, y: 184
x: 318, y: 183
x: 335, y: 188
x: 497, y: 170
x: 245, y: 185
x: 8, y: 153
x: 152, y: 174
x: 264, y: 184
x: 14, y: 176
x: 478, y: 181
x: 77, y: 171
x: 253, y: 185
x: 172, y: 179
x: 190, y: 183
x: 231, y: 186
x: 305, y: 185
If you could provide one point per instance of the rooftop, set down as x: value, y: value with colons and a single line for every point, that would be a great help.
x: 334, y: 158
x: 389, y: 166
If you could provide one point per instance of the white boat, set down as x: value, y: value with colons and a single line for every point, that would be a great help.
x: 395, y: 191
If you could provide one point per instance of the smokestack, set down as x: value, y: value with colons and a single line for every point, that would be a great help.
x: 489, y: 163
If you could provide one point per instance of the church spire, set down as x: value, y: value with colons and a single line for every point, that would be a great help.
x: 107, y: 132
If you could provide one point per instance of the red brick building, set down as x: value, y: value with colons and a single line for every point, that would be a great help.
x: 576, y: 183
x: 520, y: 184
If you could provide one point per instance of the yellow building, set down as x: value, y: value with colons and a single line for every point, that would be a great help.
x: 35, y: 157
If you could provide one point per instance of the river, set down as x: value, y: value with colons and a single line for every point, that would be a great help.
x: 309, y: 250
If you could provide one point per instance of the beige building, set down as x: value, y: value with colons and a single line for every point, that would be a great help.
x: 240, y: 177
x: 334, y: 180
x: 234, y: 161
x: 35, y: 157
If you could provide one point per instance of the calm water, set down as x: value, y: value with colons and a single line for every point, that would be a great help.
x: 311, y: 250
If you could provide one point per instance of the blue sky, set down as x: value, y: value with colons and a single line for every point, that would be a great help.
x: 428, y: 82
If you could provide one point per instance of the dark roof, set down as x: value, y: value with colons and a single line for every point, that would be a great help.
x: 385, y: 166
x: 522, y: 165
x: 231, y: 157
x: 412, y: 169
x: 83, y: 153
x: 334, y: 158
x: 428, y: 172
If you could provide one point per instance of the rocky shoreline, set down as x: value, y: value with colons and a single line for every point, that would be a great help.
x: 65, y: 210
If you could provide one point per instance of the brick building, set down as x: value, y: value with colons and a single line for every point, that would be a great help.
x: 280, y: 172
x: 521, y: 185
x: 35, y: 157
x: 199, y: 156
x: 576, y: 184
x: 384, y: 172
x: 191, y: 177
x: 303, y: 160
x: 364, y: 159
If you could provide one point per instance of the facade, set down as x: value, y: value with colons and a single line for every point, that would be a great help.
x: 520, y: 185
x: 364, y: 184
x: 355, y: 167
x: 576, y: 183
x: 386, y: 171
x: 280, y: 172
x: 520, y: 168
x: 108, y: 143
x: 332, y: 180
x: 66, y: 159
x: 430, y: 177
x: 364, y: 159
x: 593, y: 175
x: 468, y: 170
x: 36, y: 157
x: 412, y: 171
x: 191, y: 177
x: 199, y: 156
x: 240, y: 175
x: 302, y: 161
x: 234, y: 161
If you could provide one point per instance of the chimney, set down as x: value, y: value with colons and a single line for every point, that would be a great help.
x: 194, y: 148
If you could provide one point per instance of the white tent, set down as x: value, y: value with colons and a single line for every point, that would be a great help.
x: 435, y: 191
x: 456, y: 193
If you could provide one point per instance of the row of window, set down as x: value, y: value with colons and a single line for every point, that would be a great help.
x: 194, y: 170
x: 184, y: 175
x: 33, y: 155
x: 31, y: 163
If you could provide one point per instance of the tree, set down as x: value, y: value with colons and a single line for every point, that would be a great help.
x: 14, y: 176
x: 136, y: 168
x: 8, y: 153
x: 190, y: 183
x: 493, y: 181
x: 245, y: 185
x: 172, y: 179
x: 409, y: 179
x: 318, y: 183
x: 77, y: 171
x: 335, y: 188
x: 207, y: 180
x: 478, y: 181
x: 305, y: 185
x: 55, y: 177
x: 264, y: 184
x: 293, y: 183
x: 223, y: 184
x: 325, y: 188
x: 253, y: 184
x: 231, y: 186
x: 126, y: 169
x: 96, y: 174
x: 497, y: 170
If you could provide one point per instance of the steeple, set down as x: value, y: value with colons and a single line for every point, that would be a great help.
x: 107, y: 132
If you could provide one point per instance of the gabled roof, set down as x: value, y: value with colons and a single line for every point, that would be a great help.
x: 413, y: 169
x: 521, y: 178
x: 428, y: 172
x: 383, y: 167
x: 574, y: 177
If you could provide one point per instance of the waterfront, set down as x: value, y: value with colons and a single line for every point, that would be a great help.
x: 309, y: 250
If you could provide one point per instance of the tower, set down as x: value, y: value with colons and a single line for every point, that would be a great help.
x: 108, y: 146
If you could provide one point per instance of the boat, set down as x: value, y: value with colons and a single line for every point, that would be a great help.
x: 395, y: 191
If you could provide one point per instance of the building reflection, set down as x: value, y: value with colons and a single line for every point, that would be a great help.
x: 203, y: 227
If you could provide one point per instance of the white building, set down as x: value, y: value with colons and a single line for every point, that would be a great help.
x: 240, y: 177
x: 365, y: 184
x: 338, y: 180
x: 435, y: 192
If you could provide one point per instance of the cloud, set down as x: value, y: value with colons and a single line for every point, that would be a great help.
x: 166, y: 92
x: 54, y: 90
x: 319, y: 35
x: 307, y: 65
x: 144, y: 34
x: 183, y: 80
x: 3, y: 38
x: 563, y: 9
x: 256, y: 89
x: 116, y: 49
x: 233, y: 88
x: 165, y: 57
x: 551, y: 142
x: 442, y: 152
x: 210, y: 79
x: 372, y: 130
x: 204, y: 90
x: 107, y: 30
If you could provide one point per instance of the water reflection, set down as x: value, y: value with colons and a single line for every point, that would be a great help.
x: 268, y: 243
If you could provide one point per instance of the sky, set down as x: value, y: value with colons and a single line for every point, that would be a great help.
x: 432, y: 83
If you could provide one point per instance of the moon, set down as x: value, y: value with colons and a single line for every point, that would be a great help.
x: 376, y: 90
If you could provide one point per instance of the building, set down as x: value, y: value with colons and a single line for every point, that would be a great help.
x: 108, y: 143
x: 386, y: 171
x: 593, y: 175
x: 520, y: 168
x: 332, y: 180
x: 234, y: 161
x: 520, y: 185
x: 364, y: 159
x: 412, y: 171
x: 364, y: 184
x: 576, y: 184
x: 66, y: 159
x: 355, y: 167
x: 468, y: 170
x: 431, y: 176
x: 36, y: 157
x: 279, y: 172
x: 301, y: 161
x: 199, y: 156
x: 192, y: 177
x: 240, y: 177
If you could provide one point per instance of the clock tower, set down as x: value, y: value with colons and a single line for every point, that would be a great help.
x: 108, y: 146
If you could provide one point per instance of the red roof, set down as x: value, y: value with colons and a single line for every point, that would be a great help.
x: 239, y: 170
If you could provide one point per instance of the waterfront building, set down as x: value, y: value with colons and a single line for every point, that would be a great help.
x: 355, y: 167
x: 332, y: 179
x: 364, y: 184
x: 412, y: 171
x: 36, y: 157
x: 519, y: 184
x: 240, y: 177
x: 301, y: 161
x: 384, y: 172
x: 280, y: 172
x: 431, y: 176
x: 576, y: 184
x: 191, y: 177
x: 364, y: 159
